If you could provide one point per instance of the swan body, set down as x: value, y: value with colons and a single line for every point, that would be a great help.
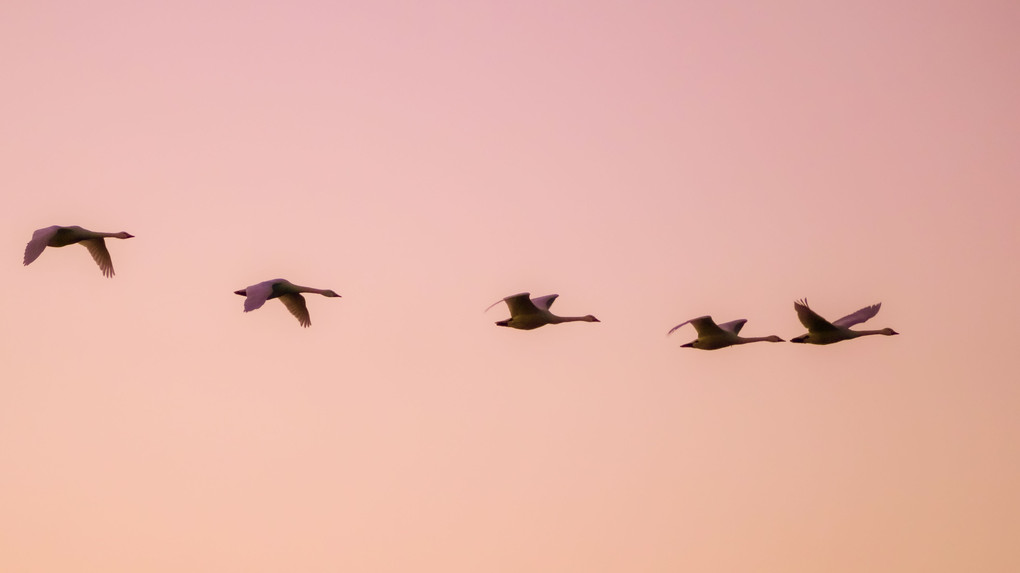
x: 712, y: 336
x: 821, y: 331
x: 528, y: 313
x: 288, y: 293
x: 57, y: 236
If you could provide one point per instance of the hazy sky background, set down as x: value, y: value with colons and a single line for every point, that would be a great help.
x: 648, y: 161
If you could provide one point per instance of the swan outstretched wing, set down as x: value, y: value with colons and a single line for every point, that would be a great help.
x: 257, y: 295
x: 295, y: 303
x: 859, y: 316
x: 35, y: 247
x: 810, y: 318
x: 97, y: 248
x: 703, y: 324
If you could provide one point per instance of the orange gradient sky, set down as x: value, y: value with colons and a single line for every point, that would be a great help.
x: 649, y: 161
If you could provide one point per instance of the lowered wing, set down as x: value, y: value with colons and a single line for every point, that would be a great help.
x: 35, y: 247
x: 257, y: 295
x: 295, y: 303
x: 97, y: 248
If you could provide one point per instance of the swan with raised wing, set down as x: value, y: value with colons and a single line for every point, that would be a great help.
x: 821, y: 331
x: 712, y: 336
x: 528, y: 313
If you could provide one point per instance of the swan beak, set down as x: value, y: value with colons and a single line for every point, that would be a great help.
x: 688, y: 345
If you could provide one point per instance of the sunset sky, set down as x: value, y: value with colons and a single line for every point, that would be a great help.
x: 650, y: 162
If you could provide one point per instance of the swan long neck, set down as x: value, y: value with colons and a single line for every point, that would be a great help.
x: 322, y: 291
x: 558, y: 319
x: 742, y: 340
x: 859, y: 333
x: 298, y: 288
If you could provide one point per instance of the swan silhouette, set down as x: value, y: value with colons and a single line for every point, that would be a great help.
x: 288, y: 293
x: 528, y: 313
x: 821, y: 331
x: 57, y: 236
x: 712, y: 336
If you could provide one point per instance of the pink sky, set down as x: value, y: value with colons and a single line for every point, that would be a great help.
x: 649, y: 161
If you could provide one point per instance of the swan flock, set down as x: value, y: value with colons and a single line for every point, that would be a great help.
x: 526, y: 313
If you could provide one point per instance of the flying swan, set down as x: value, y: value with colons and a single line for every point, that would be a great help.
x: 821, y: 331
x: 712, y: 336
x: 288, y: 293
x: 528, y: 313
x: 57, y: 236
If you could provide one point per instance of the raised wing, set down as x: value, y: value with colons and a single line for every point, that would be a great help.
x: 733, y: 326
x: 544, y: 302
x: 524, y: 294
x: 859, y: 316
x: 518, y: 304
x: 295, y: 303
x: 257, y: 295
x: 97, y: 248
x: 810, y: 318
x: 35, y: 247
x: 703, y: 324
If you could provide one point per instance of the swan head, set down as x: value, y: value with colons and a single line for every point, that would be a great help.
x: 242, y: 292
x: 330, y: 294
x: 688, y: 345
x: 799, y: 339
x: 123, y: 235
x: 773, y: 338
x: 590, y: 318
x: 889, y: 331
